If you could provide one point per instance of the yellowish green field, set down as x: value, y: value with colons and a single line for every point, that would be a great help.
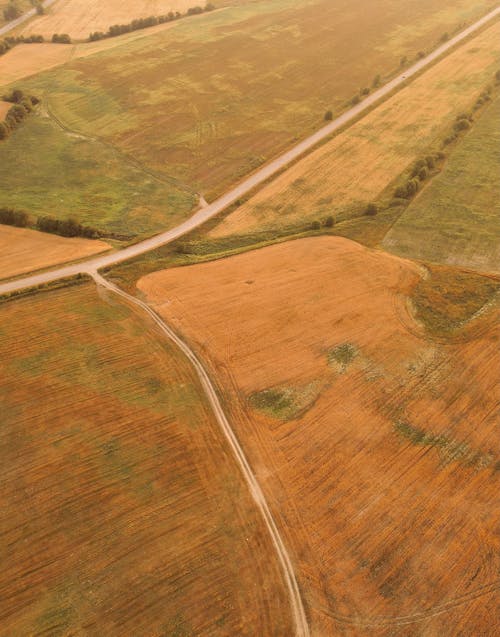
x: 456, y: 220
x: 122, y: 511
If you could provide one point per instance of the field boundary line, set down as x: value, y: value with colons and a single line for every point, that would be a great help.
x: 296, y: 603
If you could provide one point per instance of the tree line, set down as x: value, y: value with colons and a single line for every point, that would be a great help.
x: 22, y: 106
x: 144, y: 23
x: 62, y: 227
x: 10, y: 41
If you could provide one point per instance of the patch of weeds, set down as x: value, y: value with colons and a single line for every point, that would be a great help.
x: 284, y: 402
x: 342, y: 356
x: 449, y: 450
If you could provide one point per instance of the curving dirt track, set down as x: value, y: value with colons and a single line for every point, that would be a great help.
x: 297, y: 607
x: 383, y: 476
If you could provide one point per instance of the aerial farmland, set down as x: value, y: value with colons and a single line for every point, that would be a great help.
x: 249, y: 318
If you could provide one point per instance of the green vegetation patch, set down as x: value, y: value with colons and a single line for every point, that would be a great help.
x: 285, y: 402
x: 447, y: 298
x: 65, y: 176
x: 342, y: 356
x: 449, y: 450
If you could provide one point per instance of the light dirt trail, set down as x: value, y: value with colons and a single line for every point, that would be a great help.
x: 297, y: 607
x: 251, y: 182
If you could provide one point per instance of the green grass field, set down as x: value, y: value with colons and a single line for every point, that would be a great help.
x: 456, y: 220
x: 123, y: 513
x: 47, y: 171
x: 279, y: 64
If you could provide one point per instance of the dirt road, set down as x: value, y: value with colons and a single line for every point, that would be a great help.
x: 250, y: 182
x: 297, y: 607
x: 26, y: 16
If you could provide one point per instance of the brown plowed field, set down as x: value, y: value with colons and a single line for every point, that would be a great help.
x: 23, y: 250
x: 385, y: 477
x: 340, y: 177
x: 123, y: 512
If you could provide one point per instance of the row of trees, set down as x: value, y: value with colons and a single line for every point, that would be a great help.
x: 62, y: 227
x: 144, y: 23
x: 10, y: 42
x: 420, y: 171
x: 22, y: 106
x: 66, y: 227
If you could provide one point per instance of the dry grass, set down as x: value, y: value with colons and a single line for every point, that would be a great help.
x: 384, y: 485
x: 4, y: 107
x: 23, y: 250
x: 122, y: 510
x: 354, y: 168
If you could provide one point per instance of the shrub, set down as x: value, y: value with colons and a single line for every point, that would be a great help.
x: 12, y: 217
x: 329, y: 222
x: 423, y: 173
x: 355, y: 100
x: 412, y: 187
x: 364, y: 91
x: 328, y: 116
x: 461, y: 124
x: 429, y: 160
x: 376, y: 81
x: 401, y: 192
x: 371, y: 209
x: 315, y: 225
x: 61, y: 38
x: 420, y: 55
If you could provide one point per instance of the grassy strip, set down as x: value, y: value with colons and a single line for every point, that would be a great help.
x: 69, y: 281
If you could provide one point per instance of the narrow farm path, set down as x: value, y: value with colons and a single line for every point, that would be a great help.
x: 252, y: 181
x: 296, y: 604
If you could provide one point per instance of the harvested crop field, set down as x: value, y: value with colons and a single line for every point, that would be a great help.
x: 123, y: 511
x: 343, y: 175
x: 79, y: 18
x: 456, y: 220
x: 23, y: 250
x: 246, y: 89
x: 374, y: 443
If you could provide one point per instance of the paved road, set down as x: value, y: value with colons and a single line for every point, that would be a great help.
x: 26, y: 16
x: 248, y: 184
x: 300, y: 620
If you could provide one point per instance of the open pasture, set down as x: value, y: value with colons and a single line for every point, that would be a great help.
x: 66, y: 175
x: 456, y: 220
x: 209, y: 128
x: 123, y: 512
x: 343, y: 175
x: 375, y: 444
x: 23, y: 250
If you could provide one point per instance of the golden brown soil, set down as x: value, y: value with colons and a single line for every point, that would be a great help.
x: 79, y: 18
x: 23, y: 250
x: 384, y: 482
x: 123, y: 512
x: 4, y: 107
x: 358, y: 164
